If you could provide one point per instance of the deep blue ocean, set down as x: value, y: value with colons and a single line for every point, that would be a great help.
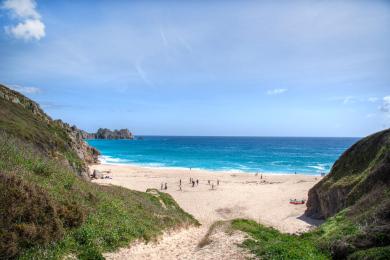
x: 247, y: 154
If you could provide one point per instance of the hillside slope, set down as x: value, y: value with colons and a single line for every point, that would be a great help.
x: 363, y: 171
x: 24, y: 119
x: 48, y: 210
x: 357, y: 194
x: 355, y: 201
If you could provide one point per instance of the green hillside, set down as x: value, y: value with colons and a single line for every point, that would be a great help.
x: 48, y: 210
x: 355, y: 201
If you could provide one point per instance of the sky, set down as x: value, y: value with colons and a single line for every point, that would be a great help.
x: 231, y: 68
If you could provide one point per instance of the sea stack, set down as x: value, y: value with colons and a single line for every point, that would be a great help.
x: 104, y: 133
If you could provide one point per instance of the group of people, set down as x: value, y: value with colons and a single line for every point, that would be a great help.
x: 164, y: 186
x: 192, y: 182
x: 261, y: 175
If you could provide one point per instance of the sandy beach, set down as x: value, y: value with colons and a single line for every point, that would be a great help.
x: 238, y: 195
x: 263, y: 198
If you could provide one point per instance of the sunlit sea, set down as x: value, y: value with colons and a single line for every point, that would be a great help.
x: 304, y: 155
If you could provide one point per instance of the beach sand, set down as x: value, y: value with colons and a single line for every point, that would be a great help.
x: 239, y: 195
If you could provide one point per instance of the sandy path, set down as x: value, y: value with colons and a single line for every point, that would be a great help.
x: 183, y: 245
x: 261, y: 198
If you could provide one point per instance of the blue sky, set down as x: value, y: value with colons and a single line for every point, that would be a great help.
x: 257, y: 68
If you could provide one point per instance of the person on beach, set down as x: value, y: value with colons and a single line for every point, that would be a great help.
x: 212, y: 186
x: 180, y: 182
x: 217, y: 182
x: 197, y: 182
x: 162, y: 186
x: 193, y: 183
x: 261, y: 177
x: 166, y: 186
x: 208, y: 181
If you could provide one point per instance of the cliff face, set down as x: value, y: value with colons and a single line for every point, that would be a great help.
x: 355, y: 199
x: 84, y: 151
x: 364, y: 169
x: 104, y: 133
x: 23, y: 118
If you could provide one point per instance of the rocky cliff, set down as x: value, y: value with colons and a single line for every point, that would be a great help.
x: 24, y: 119
x: 355, y: 200
x: 363, y: 170
x: 104, y: 133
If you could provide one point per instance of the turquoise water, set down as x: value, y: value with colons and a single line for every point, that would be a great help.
x: 247, y: 154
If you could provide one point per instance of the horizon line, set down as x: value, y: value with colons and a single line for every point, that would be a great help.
x: 249, y: 136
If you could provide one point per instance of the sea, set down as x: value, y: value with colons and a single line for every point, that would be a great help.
x: 285, y: 155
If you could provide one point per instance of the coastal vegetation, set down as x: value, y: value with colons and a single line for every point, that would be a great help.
x: 355, y: 200
x: 269, y: 243
x: 49, y: 210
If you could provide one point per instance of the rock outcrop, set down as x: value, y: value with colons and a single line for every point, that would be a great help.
x: 84, y: 151
x: 104, y: 133
x: 361, y: 174
x: 24, y: 119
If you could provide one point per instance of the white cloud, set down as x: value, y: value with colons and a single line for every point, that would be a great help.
x: 349, y: 99
x: 25, y: 90
x: 29, y: 29
x: 385, y: 107
x: 22, y: 8
x: 141, y: 72
x: 373, y: 99
x: 30, y: 25
x: 276, y: 91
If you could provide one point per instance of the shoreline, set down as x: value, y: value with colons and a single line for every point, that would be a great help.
x: 103, y: 162
x: 263, y: 197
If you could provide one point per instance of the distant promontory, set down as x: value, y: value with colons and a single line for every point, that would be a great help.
x: 104, y: 133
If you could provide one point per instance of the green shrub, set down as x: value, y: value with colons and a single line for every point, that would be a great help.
x: 28, y: 216
x: 90, y: 253
x: 268, y: 243
x: 376, y: 253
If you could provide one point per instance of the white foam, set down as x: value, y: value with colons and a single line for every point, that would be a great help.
x: 319, y: 167
x: 106, y: 159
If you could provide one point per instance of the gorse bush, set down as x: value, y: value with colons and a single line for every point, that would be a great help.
x: 28, y: 216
